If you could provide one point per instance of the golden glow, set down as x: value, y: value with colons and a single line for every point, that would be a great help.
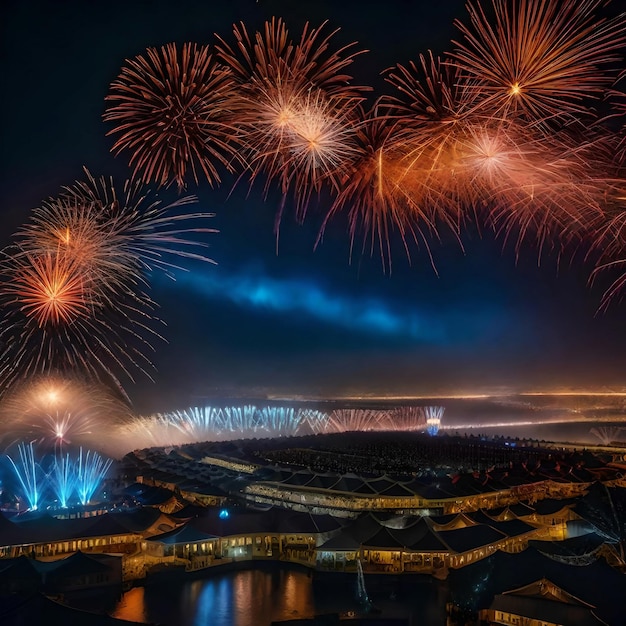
x: 132, y: 606
x: 618, y: 394
x: 52, y: 396
x: 65, y: 237
x: 515, y: 89
x: 285, y: 117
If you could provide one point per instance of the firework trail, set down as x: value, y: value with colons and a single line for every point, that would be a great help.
x: 91, y: 470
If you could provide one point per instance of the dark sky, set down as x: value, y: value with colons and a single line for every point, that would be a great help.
x: 304, y: 321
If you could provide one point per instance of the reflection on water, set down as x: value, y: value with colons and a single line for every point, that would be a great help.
x: 243, y: 598
x: 132, y: 605
x: 257, y: 597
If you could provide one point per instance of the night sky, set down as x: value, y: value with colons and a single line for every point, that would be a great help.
x: 306, y: 321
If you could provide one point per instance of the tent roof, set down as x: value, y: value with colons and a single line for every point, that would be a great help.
x: 546, y: 610
x: 470, y: 537
x: 185, y: 534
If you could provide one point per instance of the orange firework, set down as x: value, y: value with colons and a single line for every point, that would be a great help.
x: 49, y: 289
x: 273, y: 58
x: 296, y: 110
x: 540, y: 58
x: 554, y: 191
x: 434, y: 118
x: 74, y: 283
x: 463, y: 160
x: 314, y: 146
x: 608, y: 234
x: 78, y: 230
x: 171, y: 109
x: 54, y: 411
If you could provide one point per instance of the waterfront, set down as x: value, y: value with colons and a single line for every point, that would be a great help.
x: 256, y: 597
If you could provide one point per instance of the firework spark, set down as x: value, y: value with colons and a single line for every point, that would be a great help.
x: 465, y: 162
x: 50, y: 289
x: 377, y: 196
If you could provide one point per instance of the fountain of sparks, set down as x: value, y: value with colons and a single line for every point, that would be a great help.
x: 245, y: 422
x: 348, y: 420
x: 434, y: 415
x: 239, y: 419
x: 29, y: 474
x: 63, y: 478
x: 407, y: 418
x: 315, y: 422
x: 90, y: 472
x: 606, y: 434
x: 56, y: 480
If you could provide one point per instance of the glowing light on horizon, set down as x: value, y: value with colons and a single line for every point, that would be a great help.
x: 229, y: 423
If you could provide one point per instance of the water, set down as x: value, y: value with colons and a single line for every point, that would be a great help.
x: 259, y: 596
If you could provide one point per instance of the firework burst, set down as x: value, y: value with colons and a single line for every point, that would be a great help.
x: 55, y: 412
x: 171, y: 109
x: 433, y: 118
x: 540, y: 59
x: 50, y: 289
x: 296, y: 109
x: 466, y: 162
x: 75, y: 281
